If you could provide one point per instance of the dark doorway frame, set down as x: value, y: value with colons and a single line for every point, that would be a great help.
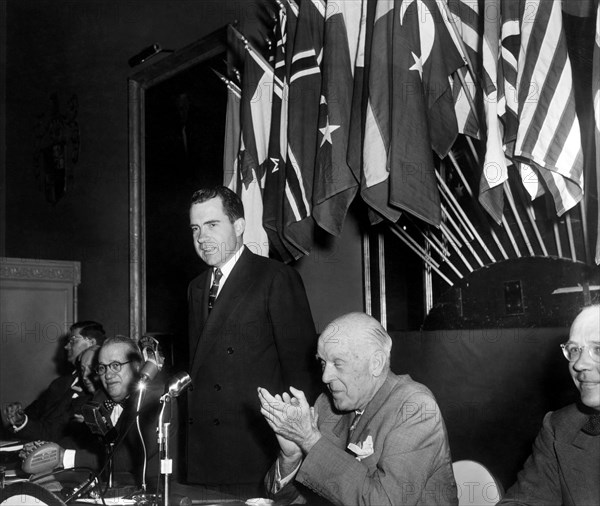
x: 139, y: 84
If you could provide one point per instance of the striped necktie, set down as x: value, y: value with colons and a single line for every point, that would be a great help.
x: 357, y: 415
x: 212, y: 295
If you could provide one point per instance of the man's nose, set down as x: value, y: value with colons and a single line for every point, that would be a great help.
x: 109, y: 373
x: 326, y: 375
x: 584, y: 361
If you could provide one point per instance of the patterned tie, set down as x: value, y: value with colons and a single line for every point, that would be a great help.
x: 212, y: 295
x: 354, y: 423
x: 592, y: 426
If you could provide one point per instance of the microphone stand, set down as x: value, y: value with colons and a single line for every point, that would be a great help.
x: 166, y: 463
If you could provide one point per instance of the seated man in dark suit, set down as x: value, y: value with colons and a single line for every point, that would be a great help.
x: 374, y: 438
x: 564, y: 467
x: 48, y: 416
x: 119, y: 364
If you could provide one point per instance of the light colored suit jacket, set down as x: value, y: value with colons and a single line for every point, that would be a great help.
x: 564, y: 467
x: 411, y: 461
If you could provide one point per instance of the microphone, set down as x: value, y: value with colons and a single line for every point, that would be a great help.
x: 153, y: 359
x: 178, y: 383
x: 97, y: 417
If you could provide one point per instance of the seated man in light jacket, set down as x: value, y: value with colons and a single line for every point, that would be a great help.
x: 374, y: 438
x: 564, y: 467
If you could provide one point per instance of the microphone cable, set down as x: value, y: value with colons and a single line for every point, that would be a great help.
x: 117, y: 444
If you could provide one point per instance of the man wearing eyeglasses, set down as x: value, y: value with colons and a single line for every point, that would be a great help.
x: 564, y: 467
x: 119, y: 364
x: 49, y: 415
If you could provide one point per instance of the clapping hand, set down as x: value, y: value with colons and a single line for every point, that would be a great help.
x: 292, y: 419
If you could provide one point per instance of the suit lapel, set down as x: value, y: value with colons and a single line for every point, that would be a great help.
x: 578, y: 459
x: 199, y: 295
x: 238, y: 284
x: 370, y: 411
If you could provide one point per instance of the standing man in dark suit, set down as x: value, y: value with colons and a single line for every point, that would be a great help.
x: 249, y: 324
x: 564, y: 466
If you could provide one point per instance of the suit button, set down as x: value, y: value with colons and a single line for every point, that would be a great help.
x: 190, y: 421
x: 217, y: 387
x: 216, y: 421
x: 230, y: 350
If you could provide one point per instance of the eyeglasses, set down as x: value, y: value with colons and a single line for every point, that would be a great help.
x: 572, y: 352
x: 73, y: 339
x: 113, y: 366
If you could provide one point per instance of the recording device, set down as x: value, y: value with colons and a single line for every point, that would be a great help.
x: 153, y: 358
x: 41, y: 457
x: 97, y: 417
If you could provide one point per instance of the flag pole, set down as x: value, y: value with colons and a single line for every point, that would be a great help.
x: 557, y: 238
x: 381, y: 262
x: 234, y: 88
x: 451, y: 205
x: 515, y: 211
x: 586, y: 244
x: 403, y: 236
x: 455, y: 245
x: 367, y: 274
x: 433, y: 241
x: 529, y: 209
x: 476, y: 206
x: 467, y: 220
x: 570, y: 236
x: 428, y: 285
x: 461, y: 235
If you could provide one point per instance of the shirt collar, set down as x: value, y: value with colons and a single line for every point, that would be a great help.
x: 228, y: 266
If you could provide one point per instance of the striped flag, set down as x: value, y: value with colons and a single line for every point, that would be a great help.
x: 232, y: 136
x: 274, y: 189
x: 495, y: 169
x: 303, y: 123
x: 255, y: 120
x: 548, y: 136
x: 334, y: 183
x: 465, y: 16
x: 377, y: 122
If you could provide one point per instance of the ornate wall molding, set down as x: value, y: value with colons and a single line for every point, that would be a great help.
x: 41, y: 270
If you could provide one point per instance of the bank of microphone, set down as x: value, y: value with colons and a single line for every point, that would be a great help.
x: 153, y: 359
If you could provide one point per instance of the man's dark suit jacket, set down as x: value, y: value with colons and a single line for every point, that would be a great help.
x: 50, y: 415
x: 128, y: 456
x: 259, y: 333
x: 564, y: 467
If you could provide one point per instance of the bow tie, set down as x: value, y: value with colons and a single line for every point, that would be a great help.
x: 109, y: 404
x: 592, y: 426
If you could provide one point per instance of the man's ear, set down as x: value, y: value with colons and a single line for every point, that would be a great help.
x: 377, y: 364
x: 239, y: 226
